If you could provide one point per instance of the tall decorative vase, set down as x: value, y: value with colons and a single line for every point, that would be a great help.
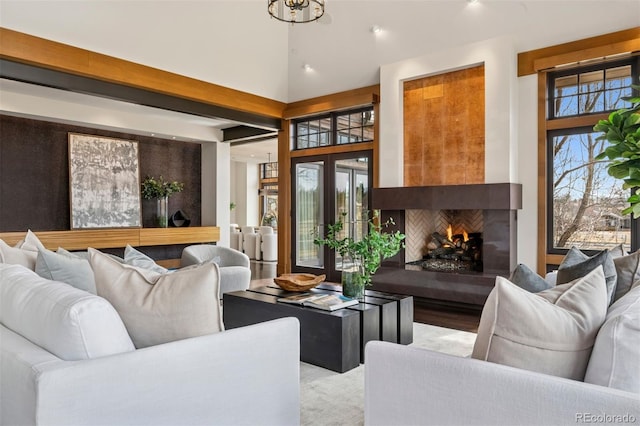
x: 352, y: 277
x: 162, y: 213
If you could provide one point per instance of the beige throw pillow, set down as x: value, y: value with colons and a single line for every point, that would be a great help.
x: 159, y: 308
x: 550, y: 332
x: 614, y: 361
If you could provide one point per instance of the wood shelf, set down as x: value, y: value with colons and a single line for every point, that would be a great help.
x: 114, y: 238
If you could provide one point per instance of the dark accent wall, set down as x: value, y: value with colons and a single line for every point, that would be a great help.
x: 34, y: 173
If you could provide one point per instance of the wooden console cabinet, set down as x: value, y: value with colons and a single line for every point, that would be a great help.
x: 80, y: 239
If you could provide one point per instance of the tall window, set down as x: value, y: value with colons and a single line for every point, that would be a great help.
x: 584, y: 201
x: 336, y: 128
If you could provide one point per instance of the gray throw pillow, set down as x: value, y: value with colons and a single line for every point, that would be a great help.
x: 628, y: 270
x: 138, y: 259
x: 576, y: 265
x: 73, y: 271
x: 525, y: 278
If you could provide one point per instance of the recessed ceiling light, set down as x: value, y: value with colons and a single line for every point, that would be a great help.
x: 376, y: 29
x: 472, y: 1
x: 307, y: 67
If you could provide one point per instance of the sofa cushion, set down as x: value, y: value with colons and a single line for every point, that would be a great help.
x: 17, y: 256
x: 135, y: 257
x: 158, y: 308
x: 628, y: 272
x: 576, y: 264
x: 615, y: 360
x: 551, y: 332
x: 73, y: 271
x: 525, y: 278
x: 70, y: 323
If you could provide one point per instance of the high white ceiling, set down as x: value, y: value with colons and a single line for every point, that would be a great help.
x: 235, y: 44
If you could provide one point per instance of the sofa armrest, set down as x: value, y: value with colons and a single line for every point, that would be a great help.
x: 405, y: 385
x: 248, y: 375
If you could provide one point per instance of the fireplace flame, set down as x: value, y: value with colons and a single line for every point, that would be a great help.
x: 465, y: 236
x: 449, y: 232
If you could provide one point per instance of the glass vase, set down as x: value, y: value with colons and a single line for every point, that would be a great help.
x: 162, y: 212
x: 352, y: 277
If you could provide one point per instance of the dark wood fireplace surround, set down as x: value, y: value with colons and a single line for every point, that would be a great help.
x: 499, y: 203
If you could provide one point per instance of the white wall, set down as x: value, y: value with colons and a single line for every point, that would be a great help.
x: 245, y: 177
x: 528, y: 169
x: 502, y: 114
x: 499, y: 60
x: 216, y: 188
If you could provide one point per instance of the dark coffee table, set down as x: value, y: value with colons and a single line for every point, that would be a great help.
x: 333, y: 340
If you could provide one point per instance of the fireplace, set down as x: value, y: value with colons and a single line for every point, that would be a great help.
x: 439, y: 261
x: 444, y: 240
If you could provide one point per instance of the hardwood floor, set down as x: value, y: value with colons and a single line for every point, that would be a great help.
x: 424, y: 311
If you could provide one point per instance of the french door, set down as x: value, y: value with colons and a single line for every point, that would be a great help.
x: 325, y: 189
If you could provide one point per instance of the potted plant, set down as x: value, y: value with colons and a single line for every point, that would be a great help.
x: 160, y: 190
x: 622, y: 131
x: 361, y: 259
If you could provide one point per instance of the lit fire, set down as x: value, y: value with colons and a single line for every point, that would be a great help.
x: 465, y: 236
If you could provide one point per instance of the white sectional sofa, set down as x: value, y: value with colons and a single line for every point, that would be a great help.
x: 412, y: 386
x: 66, y: 359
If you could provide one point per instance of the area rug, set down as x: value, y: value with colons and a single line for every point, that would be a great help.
x: 329, y: 398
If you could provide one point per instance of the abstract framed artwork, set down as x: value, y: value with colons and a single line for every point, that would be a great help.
x: 104, y: 182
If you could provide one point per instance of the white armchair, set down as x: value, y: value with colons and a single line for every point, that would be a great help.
x: 235, y: 267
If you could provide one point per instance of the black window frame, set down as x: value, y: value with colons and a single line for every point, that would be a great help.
x: 634, y: 61
x: 333, y: 131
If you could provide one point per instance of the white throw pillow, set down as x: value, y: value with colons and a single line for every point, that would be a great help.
x: 70, y: 323
x: 134, y: 257
x: 17, y: 256
x: 158, y: 308
x: 31, y: 242
x: 73, y: 271
x: 551, y: 332
x: 615, y: 361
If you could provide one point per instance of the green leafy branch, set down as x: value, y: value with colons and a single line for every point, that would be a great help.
x: 372, y: 249
x: 159, y: 188
x: 622, y: 131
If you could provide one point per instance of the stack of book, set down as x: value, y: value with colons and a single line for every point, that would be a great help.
x: 328, y: 302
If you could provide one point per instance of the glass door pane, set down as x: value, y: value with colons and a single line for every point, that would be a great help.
x: 309, y: 213
x: 351, y: 198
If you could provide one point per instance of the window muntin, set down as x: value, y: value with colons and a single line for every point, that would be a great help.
x: 268, y: 170
x: 337, y: 128
x: 584, y: 202
x: 592, y: 91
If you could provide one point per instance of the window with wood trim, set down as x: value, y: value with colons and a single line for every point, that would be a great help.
x: 583, y: 201
x: 335, y: 128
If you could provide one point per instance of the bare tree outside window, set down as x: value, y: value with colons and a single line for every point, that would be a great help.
x: 586, y: 201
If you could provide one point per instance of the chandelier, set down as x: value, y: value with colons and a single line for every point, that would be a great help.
x: 296, y: 11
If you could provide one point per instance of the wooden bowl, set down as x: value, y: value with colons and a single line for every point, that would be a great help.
x: 298, y: 282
